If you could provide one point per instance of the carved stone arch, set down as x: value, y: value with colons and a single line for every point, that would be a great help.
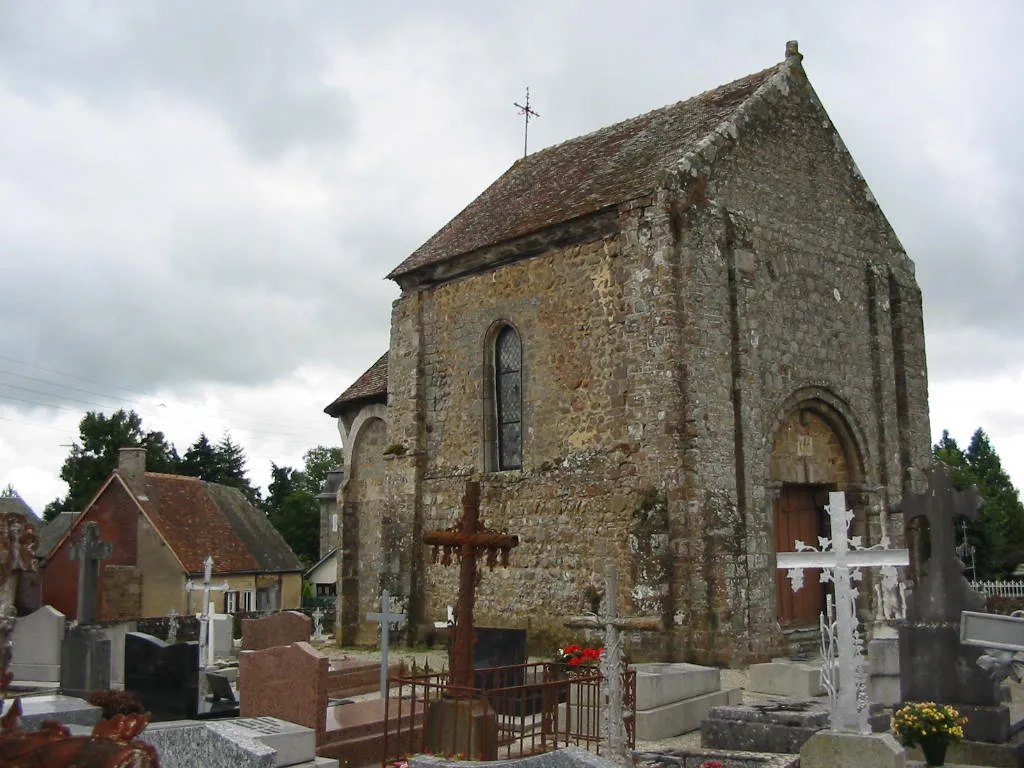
x: 351, y: 434
x: 820, y: 403
x: 488, y: 400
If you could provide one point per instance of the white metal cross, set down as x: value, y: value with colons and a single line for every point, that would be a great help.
x: 206, y: 645
x: 386, y: 618
x: 841, y: 558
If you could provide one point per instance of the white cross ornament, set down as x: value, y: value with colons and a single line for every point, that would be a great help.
x: 840, y: 560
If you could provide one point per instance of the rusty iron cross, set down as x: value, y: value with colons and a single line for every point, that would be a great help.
x: 468, y: 541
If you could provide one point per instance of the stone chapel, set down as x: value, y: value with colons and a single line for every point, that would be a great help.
x: 659, y: 345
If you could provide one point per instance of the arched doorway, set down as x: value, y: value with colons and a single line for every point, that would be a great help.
x: 813, y: 452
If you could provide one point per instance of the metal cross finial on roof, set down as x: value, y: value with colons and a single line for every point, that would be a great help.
x: 524, y: 109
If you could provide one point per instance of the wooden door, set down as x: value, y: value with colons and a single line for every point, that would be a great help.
x: 798, y: 516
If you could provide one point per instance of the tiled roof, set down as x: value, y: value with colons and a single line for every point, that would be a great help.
x: 584, y: 175
x: 51, y: 532
x: 372, y: 384
x: 17, y: 504
x: 197, y: 519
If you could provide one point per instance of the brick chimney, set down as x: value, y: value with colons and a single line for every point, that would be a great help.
x: 131, y: 466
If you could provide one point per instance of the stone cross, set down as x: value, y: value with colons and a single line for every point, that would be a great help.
x: 613, y: 667
x: 318, y: 623
x: 841, y: 559
x: 206, y: 645
x: 172, y: 625
x: 89, y: 551
x: 941, y: 591
x: 386, y: 619
x: 468, y: 540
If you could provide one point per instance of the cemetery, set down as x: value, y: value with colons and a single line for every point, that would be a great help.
x: 275, y: 689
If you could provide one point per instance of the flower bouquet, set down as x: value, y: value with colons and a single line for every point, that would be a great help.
x: 931, y: 726
x: 575, y: 655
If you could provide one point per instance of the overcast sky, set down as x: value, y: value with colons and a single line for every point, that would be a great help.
x: 199, y: 200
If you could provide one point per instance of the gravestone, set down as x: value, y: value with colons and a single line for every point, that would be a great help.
x: 85, y: 661
x: 282, y: 628
x: 37, y: 642
x: 286, y: 681
x: 89, y: 551
x: 69, y: 710
x: 164, y: 677
x: 495, y: 648
x: 934, y: 666
x: 259, y: 742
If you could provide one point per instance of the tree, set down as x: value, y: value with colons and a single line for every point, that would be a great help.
x: 291, y: 502
x: 998, y: 534
x: 318, y: 462
x: 89, y: 463
x: 222, y: 463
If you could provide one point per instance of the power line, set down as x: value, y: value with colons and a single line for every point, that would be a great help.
x: 276, y: 427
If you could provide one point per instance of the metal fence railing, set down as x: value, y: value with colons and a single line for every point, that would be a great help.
x: 515, y: 711
x: 999, y: 588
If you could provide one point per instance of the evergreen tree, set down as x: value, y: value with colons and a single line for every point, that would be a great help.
x: 89, y: 463
x: 223, y: 463
x: 998, y: 534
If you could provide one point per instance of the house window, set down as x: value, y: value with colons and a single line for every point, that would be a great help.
x: 508, y: 398
x: 248, y: 601
x: 230, y: 602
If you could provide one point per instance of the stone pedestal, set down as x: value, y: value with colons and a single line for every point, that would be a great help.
x: 828, y: 749
x: 778, y: 726
x: 884, y: 667
x: 782, y: 677
x: 672, y: 699
x: 466, y: 727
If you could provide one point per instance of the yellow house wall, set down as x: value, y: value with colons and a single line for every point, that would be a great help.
x: 163, y: 581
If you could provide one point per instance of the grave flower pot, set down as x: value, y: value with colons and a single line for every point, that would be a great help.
x: 934, y: 751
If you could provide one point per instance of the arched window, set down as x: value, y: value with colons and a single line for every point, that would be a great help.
x: 508, y: 398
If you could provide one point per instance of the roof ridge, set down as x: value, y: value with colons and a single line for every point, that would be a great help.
x: 586, y: 174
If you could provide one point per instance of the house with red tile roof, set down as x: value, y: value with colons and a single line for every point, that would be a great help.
x: 163, y: 527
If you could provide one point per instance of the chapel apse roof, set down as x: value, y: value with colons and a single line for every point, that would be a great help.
x: 372, y: 385
x: 585, y: 174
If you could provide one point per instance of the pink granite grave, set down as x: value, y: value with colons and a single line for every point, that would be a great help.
x: 281, y: 628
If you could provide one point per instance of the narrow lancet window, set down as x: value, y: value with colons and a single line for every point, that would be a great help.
x: 508, y: 385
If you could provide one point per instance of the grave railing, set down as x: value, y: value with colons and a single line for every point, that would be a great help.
x: 538, y: 707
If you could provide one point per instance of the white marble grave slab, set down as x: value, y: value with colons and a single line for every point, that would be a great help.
x: 291, y: 743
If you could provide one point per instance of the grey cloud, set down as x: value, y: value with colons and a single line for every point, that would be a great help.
x: 260, y: 66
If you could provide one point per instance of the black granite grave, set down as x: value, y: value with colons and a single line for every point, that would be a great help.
x: 166, y: 679
x: 494, y: 649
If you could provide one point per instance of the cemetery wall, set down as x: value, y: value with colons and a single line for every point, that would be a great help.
x: 672, y: 357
